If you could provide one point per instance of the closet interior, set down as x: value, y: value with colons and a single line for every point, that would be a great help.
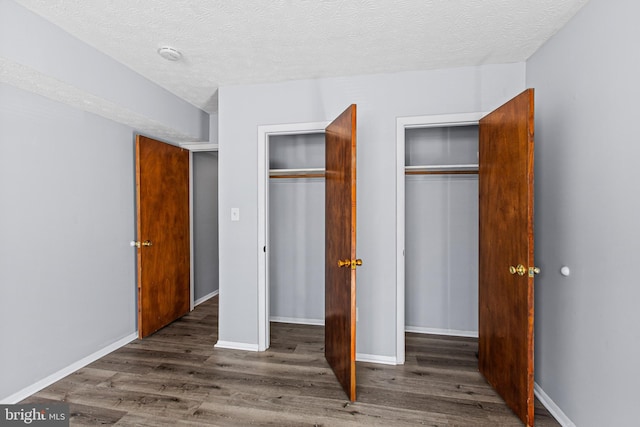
x: 441, y: 230
x: 296, y: 224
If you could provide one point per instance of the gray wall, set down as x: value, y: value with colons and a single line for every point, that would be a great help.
x: 205, y: 223
x: 587, y: 211
x: 380, y: 99
x: 296, y: 250
x: 66, y: 268
x: 67, y: 272
x: 441, y: 261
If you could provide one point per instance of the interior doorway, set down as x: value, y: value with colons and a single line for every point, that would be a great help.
x: 204, y: 220
x: 506, y: 266
x: 284, y: 139
x: 340, y: 245
x: 434, y: 157
x: 441, y: 222
x: 296, y: 227
x: 201, y: 247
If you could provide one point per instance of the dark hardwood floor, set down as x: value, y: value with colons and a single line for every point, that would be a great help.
x: 176, y: 377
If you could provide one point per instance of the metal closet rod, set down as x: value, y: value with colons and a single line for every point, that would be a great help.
x: 463, y: 169
x: 467, y: 169
x: 297, y: 173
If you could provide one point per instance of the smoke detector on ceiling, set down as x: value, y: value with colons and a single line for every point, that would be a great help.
x: 169, y: 53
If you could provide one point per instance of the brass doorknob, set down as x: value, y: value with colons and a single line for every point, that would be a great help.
x: 139, y: 244
x: 518, y: 269
x: 521, y: 270
x: 353, y: 263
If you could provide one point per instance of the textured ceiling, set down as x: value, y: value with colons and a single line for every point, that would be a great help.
x: 226, y: 42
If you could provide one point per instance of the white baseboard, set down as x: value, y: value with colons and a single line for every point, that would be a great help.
x: 236, y: 345
x: 551, y: 406
x: 297, y: 320
x: 436, y: 331
x: 373, y: 358
x: 45, y: 382
x: 205, y: 298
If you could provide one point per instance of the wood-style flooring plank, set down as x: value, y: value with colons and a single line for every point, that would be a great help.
x: 176, y: 377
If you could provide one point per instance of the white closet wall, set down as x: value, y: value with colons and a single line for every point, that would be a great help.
x: 441, y: 248
x: 296, y: 231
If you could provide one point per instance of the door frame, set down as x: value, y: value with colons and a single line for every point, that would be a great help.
x: 402, y: 124
x: 262, y: 249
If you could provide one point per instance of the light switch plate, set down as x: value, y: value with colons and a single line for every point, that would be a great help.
x: 235, y: 214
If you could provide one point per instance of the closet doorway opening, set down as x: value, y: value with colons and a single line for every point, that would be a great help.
x: 340, y: 240
x: 505, y: 243
x: 437, y: 211
x: 296, y: 229
x: 291, y: 226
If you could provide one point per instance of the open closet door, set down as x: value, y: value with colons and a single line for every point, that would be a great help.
x: 162, y: 191
x: 340, y: 249
x: 506, y: 269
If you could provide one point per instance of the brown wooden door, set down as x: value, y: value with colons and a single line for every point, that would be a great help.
x: 162, y: 191
x: 505, y: 346
x: 340, y: 245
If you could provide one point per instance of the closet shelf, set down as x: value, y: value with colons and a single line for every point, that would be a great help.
x: 297, y: 173
x: 462, y: 169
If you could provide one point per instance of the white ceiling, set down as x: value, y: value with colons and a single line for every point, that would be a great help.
x: 242, y: 42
